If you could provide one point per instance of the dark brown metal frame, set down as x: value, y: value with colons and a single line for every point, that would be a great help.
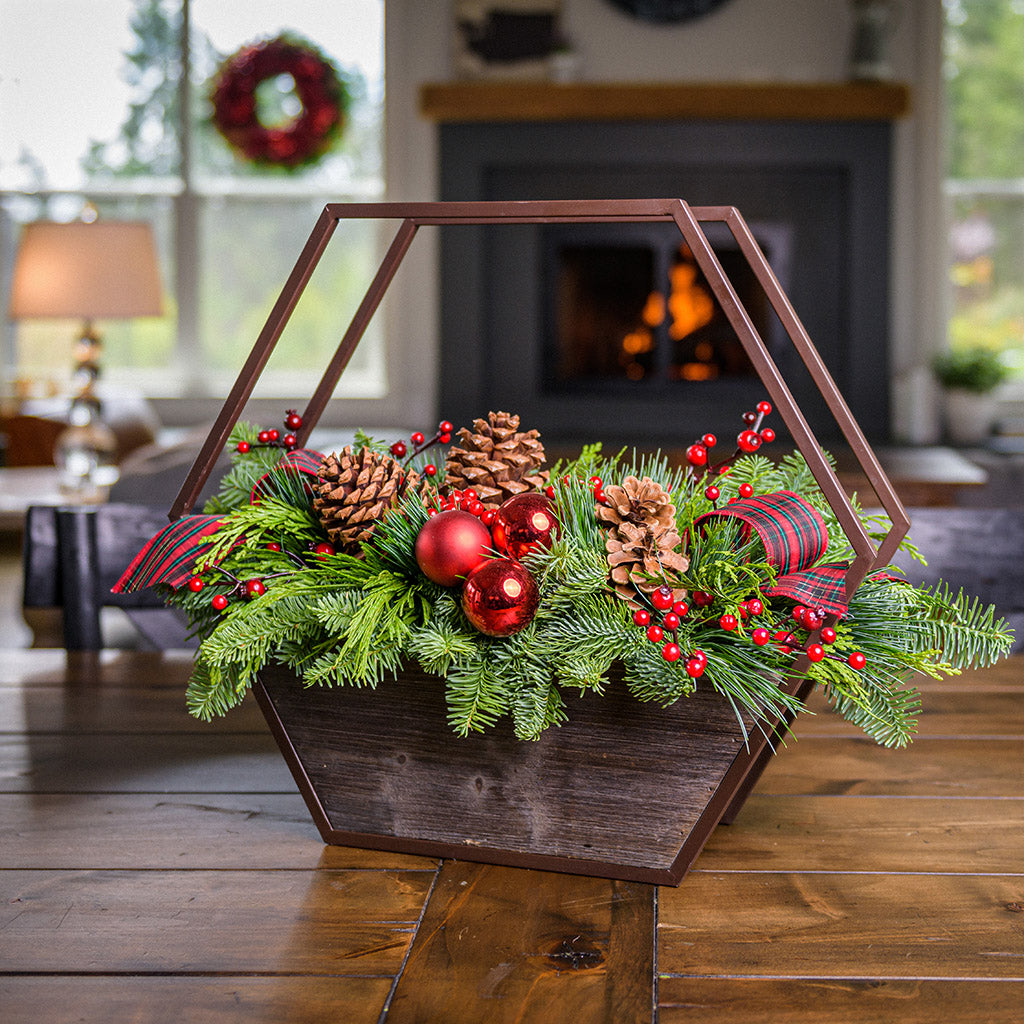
x: 749, y: 763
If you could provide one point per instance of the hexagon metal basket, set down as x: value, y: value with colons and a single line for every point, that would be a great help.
x: 624, y: 789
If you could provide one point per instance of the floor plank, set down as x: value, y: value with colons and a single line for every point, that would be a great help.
x: 817, y: 833
x: 318, y: 922
x: 45, y: 667
x: 172, y: 763
x: 183, y: 831
x: 114, y: 708
x: 842, y: 925
x: 992, y: 712
x: 529, y: 947
x: 837, y: 1001
x: 928, y: 767
x: 188, y: 1000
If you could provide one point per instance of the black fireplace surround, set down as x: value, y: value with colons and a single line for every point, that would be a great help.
x: 816, y: 195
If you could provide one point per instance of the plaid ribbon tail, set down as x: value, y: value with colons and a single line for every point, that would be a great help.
x: 824, y: 586
x: 303, y: 462
x: 170, y: 556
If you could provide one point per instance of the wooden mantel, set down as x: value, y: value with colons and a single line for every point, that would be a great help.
x: 609, y: 101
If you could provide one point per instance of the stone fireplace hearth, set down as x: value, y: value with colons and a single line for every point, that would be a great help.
x: 814, y: 190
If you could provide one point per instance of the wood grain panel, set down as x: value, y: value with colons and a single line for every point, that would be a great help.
x: 842, y: 925
x: 171, y: 763
x: 837, y: 1001
x: 505, y: 945
x: 928, y: 767
x: 337, y: 922
x: 183, y: 831
x: 817, y: 833
x: 223, y: 1000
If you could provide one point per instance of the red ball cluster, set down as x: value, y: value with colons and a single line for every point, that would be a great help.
x: 273, y: 438
x: 455, y: 547
x: 420, y: 443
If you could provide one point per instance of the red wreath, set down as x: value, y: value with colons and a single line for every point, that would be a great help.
x: 320, y: 89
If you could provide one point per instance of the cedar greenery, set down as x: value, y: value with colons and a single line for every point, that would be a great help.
x: 341, y: 620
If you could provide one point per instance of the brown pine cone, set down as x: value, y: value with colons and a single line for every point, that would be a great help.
x: 353, y: 492
x: 496, y: 459
x: 642, y: 539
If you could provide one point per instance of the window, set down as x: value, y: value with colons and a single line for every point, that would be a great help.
x: 94, y: 109
x: 984, y: 68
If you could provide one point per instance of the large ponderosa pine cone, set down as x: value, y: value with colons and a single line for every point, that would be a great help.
x: 642, y: 539
x: 353, y: 492
x: 496, y: 459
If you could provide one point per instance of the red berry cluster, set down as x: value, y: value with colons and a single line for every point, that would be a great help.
x: 420, y: 443
x: 748, y: 441
x: 595, y: 483
x: 273, y: 438
x: 467, y: 500
x: 255, y: 587
x: 811, y: 620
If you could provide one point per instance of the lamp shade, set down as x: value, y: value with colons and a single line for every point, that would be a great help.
x: 104, y: 269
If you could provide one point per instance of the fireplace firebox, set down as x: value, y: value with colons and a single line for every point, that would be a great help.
x: 604, y: 332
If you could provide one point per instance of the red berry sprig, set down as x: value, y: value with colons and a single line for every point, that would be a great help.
x: 273, y: 438
x: 420, y: 443
x: 748, y: 441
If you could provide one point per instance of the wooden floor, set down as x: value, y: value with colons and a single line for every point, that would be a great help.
x: 155, y: 870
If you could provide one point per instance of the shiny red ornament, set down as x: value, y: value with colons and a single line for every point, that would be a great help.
x: 451, y: 545
x: 524, y: 523
x: 500, y: 597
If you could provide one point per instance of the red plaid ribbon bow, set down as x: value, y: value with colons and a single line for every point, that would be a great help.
x: 794, y: 538
x: 171, y: 555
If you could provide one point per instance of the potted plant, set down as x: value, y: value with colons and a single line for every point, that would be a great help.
x: 969, y: 377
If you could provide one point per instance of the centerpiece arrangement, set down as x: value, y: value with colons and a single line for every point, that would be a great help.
x: 518, y: 585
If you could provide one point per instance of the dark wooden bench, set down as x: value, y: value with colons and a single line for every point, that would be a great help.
x: 73, y: 555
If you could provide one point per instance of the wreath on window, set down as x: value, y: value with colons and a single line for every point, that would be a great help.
x: 322, y: 94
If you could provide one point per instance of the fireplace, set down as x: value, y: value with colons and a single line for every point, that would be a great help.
x: 569, y: 325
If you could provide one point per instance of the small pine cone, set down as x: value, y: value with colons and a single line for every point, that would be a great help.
x: 642, y: 539
x: 353, y: 492
x: 497, y: 460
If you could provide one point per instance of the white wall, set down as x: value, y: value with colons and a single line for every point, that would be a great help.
x: 766, y: 40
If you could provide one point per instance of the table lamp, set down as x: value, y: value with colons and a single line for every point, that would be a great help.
x: 92, y: 270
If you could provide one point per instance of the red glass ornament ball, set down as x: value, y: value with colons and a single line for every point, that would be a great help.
x: 748, y: 441
x: 195, y: 584
x: 243, y: 446
x: 856, y: 660
x: 671, y: 652
x: 642, y: 617
x: 451, y: 545
x: 219, y: 602
x: 525, y: 522
x: 697, y: 455
x: 662, y: 598
x: 500, y: 597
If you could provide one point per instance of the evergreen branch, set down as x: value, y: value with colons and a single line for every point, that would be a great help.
x: 475, y: 696
x: 962, y: 628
